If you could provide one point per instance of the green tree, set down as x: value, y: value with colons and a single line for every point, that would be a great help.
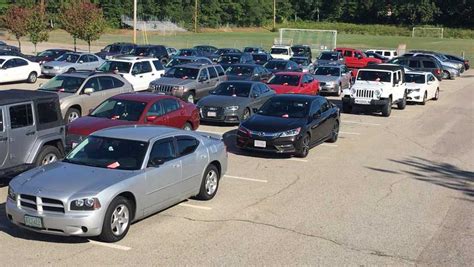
x: 92, y: 21
x: 37, y: 26
x: 71, y: 20
x: 15, y: 21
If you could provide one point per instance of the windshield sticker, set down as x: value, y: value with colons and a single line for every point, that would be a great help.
x: 113, y: 165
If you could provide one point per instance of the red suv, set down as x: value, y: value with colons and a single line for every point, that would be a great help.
x: 294, y: 83
x: 134, y: 108
x: 356, y: 58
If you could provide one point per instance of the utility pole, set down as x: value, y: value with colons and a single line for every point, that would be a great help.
x: 195, y: 15
x: 134, y: 21
x: 274, y: 14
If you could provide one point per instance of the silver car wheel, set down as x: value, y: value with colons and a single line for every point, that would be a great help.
x: 49, y: 158
x: 120, y: 220
x: 72, y: 116
x: 211, y: 182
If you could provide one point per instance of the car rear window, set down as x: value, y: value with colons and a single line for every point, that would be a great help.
x: 429, y: 64
x: 220, y: 70
x: 48, y: 112
x: 279, y: 51
x: 212, y: 72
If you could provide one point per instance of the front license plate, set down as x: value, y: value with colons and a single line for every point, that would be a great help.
x: 33, y: 221
x: 362, y: 101
x: 258, y: 143
x: 211, y: 114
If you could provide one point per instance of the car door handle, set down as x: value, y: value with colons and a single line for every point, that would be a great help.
x: 30, y: 133
x: 152, y: 74
x: 2, y: 139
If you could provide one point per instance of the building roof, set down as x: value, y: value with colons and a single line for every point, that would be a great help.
x: 14, y: 96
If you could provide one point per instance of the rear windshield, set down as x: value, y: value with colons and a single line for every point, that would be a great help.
x: 328, y: 56
x: 415, y: 78
x: 240, y: 70
x: 259, y: 57
x: 233, y: 89
x: 279, y: 51
x: 283, y: 79
x: 115, y: 66
x: 377, y: 76
x: 182, y: 73
x: 251, y: 49
x: 276, y: 65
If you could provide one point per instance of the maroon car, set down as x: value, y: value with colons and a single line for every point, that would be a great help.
x: 134, y: 108
x: 50, y: 55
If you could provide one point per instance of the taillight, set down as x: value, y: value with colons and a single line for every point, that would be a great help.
x: 244, y: 131
x: 438, y: 71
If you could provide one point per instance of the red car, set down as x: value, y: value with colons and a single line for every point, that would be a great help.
x: 294, y: 83
x: 134, y: 108
x: 356, y: 59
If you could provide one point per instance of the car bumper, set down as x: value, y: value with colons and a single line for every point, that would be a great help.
x: 87, y: 223
x: 281, y: 145
x: 415, y: 96
x: 226, y: 117
x: 51, y: 72
x: 371, y: 102
x: 328, y: 89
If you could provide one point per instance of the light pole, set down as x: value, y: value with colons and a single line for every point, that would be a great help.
x: 274, y: 14
x: 195, y: 15
x: 134, y: 21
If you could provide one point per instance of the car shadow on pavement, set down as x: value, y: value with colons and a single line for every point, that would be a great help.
x: 439, y: 173
x: 15, y: 231
x: 230, y: 142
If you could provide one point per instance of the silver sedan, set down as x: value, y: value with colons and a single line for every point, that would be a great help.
x: 115, y: 177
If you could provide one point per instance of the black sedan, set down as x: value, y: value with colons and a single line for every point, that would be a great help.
x: 234, y: 101
x: 249, y: 72
x: 290, y: 124
x: 279, y: 65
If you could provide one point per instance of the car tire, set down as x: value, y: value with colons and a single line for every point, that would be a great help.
x: 387, y: 108
x: 117, y: 220
x: 47, y: 155
x: 188, y: 126
x: 71, y: 115
x: 303, y: 146
x: 189, y: 97
x: 402, y: 104
x: 339, y: 90
x: 209, y: 184
x: 334, y: 133
x: 346, y: 108
x: 246, y: 114
x: 446, y: 75
x: 436, y: 97
x: 71, y: 70
x: 33, y: 77
x: 425, y: 96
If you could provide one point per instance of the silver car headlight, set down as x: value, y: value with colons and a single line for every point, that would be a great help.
x: 11, y: 194
x: 232, y: 108
x: 56, y: 68
x: 292, y: 132
x: 85, y: 204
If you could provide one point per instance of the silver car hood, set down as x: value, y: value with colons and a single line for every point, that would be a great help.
x: 62, y: 180
x: 326, y: 78
x: 172, y: 81
x: 61, y: 64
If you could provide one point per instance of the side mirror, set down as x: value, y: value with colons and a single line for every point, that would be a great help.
x: 134, y: 72
x: 255, y: 110
x: 202, y: 79
x: 151, y: 118
x: 156, y: 162
x: 161, y: 75
x: 89, y: 91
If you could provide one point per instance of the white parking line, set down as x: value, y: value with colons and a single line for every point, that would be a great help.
x: 351, y: 133
x: 108, y: 245
x: 329, y: 145
x: 194, y: 206
x: 362, y: 123
x: 245, y: 179
x: 299, y: 160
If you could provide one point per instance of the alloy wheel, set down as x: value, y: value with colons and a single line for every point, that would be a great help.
x: 211, y: 182
x: 72, y: 116
x: 49, y: 158
x: 120, y: 220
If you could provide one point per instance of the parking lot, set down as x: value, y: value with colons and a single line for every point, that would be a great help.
x: 391, y: 191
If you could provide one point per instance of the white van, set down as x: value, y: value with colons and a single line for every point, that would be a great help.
x: 385, y: 53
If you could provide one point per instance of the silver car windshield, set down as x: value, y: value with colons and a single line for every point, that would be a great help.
x: 109, y: 153
x: 68, y: 58
x: 63, y: 84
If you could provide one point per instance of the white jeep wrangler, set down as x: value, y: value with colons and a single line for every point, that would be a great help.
x: 377, y: 87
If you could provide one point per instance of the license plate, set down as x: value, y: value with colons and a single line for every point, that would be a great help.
x: 32, y: 221
x: 362, y: 101
x: 211, y: 114
x: 258, y: 143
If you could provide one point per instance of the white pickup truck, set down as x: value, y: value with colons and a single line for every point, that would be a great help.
x: 377, y: 87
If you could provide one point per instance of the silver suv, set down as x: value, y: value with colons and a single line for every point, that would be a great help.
x: 31, y: 130
x: 189, y: 81
x: 80, y: 92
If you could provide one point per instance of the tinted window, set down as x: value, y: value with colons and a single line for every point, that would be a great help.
x: 415, y: 78
x: 220, y: 70
x: 233, y: 89
x: 315, y: 107
x: 92, y: 58
x: 115, y: 66
x: 146, y: 67
x: 324, y: 105
x: 279, y: 51
x: 329, y: 56
x: 212, y: 72
x: 20, y: 62
x: 327, y: 71
x: 170, y: 105
x: 106, y: 83
x: 285, y: 79
x: 9, y: 64
x: 182, y: 73
x: 285, y: 108
x: 48, y: 112
x: 21, y: 116
x: 203, y: 76
x: 386, y: 54
x: 264, y: 88
x: 240, y: 70
x: 414, y: 64
x: 84, y: 58
x: 156, y: 110
x: 163, y: 150
x: 186, y: 145
x: 158, y: 65
x: 348, y: 53
x: 378, y: 76
x: 429, y: 64
x: 117, y: 82
x: 92, y: 83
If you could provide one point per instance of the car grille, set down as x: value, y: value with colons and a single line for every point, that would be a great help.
x: 364, y: 93
x: 163, y: 88
x: 322, y: 83
x: 41, y: 204
x: 47, y: 67
x: 218, y: 110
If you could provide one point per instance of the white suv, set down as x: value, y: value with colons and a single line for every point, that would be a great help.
x: 377, y: 86
x: 139, y: 71
x: 385, y: 53
x: 281, y: 52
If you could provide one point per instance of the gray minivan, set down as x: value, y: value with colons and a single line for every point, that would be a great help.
x: 420, y: 64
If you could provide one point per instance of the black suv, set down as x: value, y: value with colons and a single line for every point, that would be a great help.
x: 116, y: 49
x: 235, y: 58
x: 156, y: 51
x: 302, y: 51
x: 32, y: 130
